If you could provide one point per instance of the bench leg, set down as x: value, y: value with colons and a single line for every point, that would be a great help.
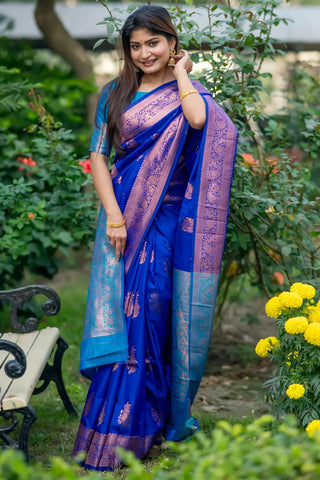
x: 54, y: 373
x: 29, y: 416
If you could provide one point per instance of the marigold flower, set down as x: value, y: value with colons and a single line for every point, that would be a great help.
x: 85, y: 164
x: 295, y: 391
x: 31, y: 216
x: 304, y: 290
x: 273, y: 307
x: 313, y: 426
x: 314, y: 313
x: 296, y: 325
x: 290, y: 299
x: 265, y: 346
x: 312, y: 334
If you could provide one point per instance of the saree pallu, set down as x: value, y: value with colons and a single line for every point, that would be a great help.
x: 149, y: 317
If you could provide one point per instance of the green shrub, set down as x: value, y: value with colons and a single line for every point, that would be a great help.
x: 295, y: 352
x: 273, y: 226
x: 13, y: 467
x: 48, y: 203
x: 262, y: 450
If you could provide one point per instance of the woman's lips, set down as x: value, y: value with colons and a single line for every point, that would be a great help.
x: 148, y: 63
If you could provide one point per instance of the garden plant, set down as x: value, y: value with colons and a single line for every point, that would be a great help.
x: 48, y: 205
x: 295, y: 351
x: 274, y: 223
x: 262, y: 449
x: 272, y: 238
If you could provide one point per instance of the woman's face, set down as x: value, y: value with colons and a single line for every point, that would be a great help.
x: 150, y: 52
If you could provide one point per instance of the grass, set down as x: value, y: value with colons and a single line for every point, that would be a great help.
x: 54, y: 431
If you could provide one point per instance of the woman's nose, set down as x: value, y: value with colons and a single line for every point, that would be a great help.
x: 145, y: 52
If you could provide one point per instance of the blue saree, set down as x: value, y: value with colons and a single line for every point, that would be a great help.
x: 149, y: 317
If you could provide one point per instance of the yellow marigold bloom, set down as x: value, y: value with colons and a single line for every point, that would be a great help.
x: 312, y: 334
x: 265, y: 346
x: 273, y: 307
x: 296, y: 325
x: 290, y: 299
x: 313, y: 426
x: 318, y: 304
x: 295, y: 391
x: 314, y: 314
x: 304, y: 290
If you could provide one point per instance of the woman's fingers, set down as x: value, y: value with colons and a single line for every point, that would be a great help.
x: 118, y: 238
x: 183, y: 61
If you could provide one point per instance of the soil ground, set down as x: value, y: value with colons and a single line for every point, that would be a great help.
x: 232, y: 385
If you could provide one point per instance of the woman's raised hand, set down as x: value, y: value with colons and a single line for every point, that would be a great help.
x: 183, y: 62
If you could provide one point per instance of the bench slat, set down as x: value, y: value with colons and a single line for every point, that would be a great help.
x: 38, y: 346
x: 6, y: 381
x: 13, y: 337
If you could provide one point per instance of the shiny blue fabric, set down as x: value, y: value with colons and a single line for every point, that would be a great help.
x: 173, y: 186
x: 128, y: 403
x: 104, y: 338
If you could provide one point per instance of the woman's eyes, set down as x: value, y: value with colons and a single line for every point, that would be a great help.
x: 151, y: 44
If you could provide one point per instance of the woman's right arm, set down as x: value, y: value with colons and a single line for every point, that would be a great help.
x: 103, y: 183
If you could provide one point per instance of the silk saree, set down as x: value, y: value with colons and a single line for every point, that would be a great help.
x: 149, y: 317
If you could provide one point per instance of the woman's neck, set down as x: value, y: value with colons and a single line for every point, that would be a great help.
x: 151, y: 81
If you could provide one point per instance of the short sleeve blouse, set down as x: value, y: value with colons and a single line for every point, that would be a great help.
x: 99, y: 139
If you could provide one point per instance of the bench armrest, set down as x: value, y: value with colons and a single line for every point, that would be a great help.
x: 18, y: 296
x: 14, y: 368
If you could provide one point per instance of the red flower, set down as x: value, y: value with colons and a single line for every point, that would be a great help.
x: 250, y: 162
x: 31, y: 216
x: 274, y: 162
x: 85, y: 164
x: 278, y: 277
x: 26, y: 161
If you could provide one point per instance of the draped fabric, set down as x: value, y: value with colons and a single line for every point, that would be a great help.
x: 149, y: 317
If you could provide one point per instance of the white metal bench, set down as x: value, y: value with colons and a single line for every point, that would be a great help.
x: 24, y: 360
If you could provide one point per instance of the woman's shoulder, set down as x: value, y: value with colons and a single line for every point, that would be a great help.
x: 106, y: 89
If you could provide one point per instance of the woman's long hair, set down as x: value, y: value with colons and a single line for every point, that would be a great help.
x: 123, y: 88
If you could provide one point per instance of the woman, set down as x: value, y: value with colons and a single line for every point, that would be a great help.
x: 158, y: 246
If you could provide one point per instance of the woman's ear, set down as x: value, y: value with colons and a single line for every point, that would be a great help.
x: 172, y: 44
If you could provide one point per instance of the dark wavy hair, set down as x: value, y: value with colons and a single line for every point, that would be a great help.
x: 123, y: 88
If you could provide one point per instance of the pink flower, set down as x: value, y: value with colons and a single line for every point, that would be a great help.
x: 85, y: 164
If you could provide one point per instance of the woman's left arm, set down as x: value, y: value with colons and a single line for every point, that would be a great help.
x: 193, y: 105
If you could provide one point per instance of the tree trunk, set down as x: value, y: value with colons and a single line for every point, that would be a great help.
x: 61, y: 42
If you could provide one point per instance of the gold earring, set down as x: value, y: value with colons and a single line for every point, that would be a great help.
x: 136, y: 68
x: 172, y: 61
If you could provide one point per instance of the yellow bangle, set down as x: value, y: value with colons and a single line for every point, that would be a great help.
x: 188, y: 92
x: 115, y: 225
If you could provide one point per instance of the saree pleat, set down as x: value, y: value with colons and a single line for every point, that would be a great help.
x: 173, y: 187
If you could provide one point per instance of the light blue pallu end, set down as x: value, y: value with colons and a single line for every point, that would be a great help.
x: 104, y: 339
x: 193, y: 306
